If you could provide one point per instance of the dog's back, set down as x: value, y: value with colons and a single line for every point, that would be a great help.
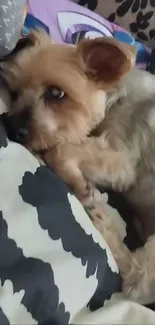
x: 130, y: 121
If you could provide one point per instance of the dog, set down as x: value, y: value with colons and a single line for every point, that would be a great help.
x: 120, y: 153
x: 59, y: 96
x: 90, y: 115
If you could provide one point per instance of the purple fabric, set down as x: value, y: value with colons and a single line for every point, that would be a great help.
x: 55, y: 15
x: 69, y: 22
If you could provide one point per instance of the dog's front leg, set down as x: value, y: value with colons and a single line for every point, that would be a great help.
x: 108, y: 167
x: 65, y: 162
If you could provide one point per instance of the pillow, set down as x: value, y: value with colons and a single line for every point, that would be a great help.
x: 136, y: 16
x: 11, y: 21
x: 55, y: 267
x: 69, y: 22
x: 53, y: 262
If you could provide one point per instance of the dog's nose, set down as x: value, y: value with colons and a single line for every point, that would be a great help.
x: 21, y: 134
x: 14, y: 132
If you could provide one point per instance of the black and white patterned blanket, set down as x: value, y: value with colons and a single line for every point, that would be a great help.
x: 55, y: 268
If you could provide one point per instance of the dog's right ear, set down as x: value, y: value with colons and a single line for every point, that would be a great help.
x: 106, y: 60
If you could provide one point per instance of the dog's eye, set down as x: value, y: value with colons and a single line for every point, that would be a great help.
x: 52, y: 93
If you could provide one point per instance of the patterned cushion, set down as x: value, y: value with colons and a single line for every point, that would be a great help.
x: 55, y: 268
x: 50, y: 251
x: 137, y: 16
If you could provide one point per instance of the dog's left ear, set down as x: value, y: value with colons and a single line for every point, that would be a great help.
x: 11, y: 67
x: 106, y: 59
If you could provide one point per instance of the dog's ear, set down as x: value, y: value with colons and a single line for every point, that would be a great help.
x: 10, y: 75
x: 39, y: 37
x: 106, y: 59
x: 11, y: 68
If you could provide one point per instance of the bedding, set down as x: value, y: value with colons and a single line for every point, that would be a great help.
x: 69, y: 23
x: 55, y: 267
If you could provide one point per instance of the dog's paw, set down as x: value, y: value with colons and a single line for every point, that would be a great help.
x: 134, y: 282
x: 98, y: 214
x: 86, y: 196
x: 99, y: 217
x: 104, y: 223
x: 133, y: 288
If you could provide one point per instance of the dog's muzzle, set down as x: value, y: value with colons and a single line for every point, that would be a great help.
x: 14, y: 132
x: 21, y: 134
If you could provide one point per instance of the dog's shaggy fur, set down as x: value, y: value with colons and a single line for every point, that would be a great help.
x: 80, y: 77
x: 61, y: 95
x: 136, y: 268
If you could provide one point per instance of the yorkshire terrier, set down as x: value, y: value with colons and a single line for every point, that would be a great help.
x: 59, y: 97
x: 91, y: 116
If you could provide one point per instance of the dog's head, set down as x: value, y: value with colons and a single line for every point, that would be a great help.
x: 59, y: 91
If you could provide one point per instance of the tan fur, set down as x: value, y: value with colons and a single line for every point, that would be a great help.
x: 138, y: 268
x: 84, y: 73
x: 5, y: 101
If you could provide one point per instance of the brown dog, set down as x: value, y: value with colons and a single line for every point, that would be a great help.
x: 59, y: 96
x: 62, y: 93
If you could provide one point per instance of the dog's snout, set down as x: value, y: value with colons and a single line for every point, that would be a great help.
x: 14, y: 131
x: 21, y: 134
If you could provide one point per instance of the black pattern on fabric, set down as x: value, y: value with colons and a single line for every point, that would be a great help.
x: 3, y: 137
x: 48, y: 196
x: 91, y: 4
x: 34, y: 276
x: 3, y: 318
x: 143, y: 9
x: 47, y: 201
